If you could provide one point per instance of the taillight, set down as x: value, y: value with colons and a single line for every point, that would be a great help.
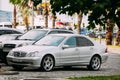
x: 106, y: 50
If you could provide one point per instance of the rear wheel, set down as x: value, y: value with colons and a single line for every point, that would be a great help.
x: 47, y: 63
x: 95, y: 63
x: 17, y: 67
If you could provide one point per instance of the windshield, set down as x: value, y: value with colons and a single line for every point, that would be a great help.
x: 33, y: 35
x: 50, y: 41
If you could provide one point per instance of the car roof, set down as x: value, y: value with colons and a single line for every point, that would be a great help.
x: 51, y: 29
x: 69, y: 35
x: 6, y: 28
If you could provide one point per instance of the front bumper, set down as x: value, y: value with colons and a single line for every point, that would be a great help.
x: 22, y: 61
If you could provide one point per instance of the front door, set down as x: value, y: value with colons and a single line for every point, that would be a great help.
x: 69, y: 55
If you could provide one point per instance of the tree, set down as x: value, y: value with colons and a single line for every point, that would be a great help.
x: 25, y: 6
x: 71, y: 7
x: 15, y: 3
x: 105, y: 12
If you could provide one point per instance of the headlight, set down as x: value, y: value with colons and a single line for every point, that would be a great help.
x: 11, y: 53
x: 24, y: 44
x: 32, y: 54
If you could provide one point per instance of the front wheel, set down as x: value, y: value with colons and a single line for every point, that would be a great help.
x: 47, y: 63
x: 95, y: 63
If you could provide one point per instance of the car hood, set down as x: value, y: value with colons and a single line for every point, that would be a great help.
x: 17, y: 42
x: 33, y: 48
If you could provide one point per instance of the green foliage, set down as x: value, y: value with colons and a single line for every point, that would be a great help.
x: 15, y: 1
x: 115, y: 77
x: 36, y: 2
x: 103, y: 10
x: 70, y: 6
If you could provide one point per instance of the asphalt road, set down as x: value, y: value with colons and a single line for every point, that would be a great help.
x: 111, y: 67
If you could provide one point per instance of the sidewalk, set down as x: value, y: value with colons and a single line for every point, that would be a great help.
x: 114, y: 49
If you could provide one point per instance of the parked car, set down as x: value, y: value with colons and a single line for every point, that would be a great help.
x: 29, y: 38
x: 6, y: 24
x: 100, y: 34
x: 7, y: 37
x: 84, y: 31
x: 59, y: 50
x: 5, y: 30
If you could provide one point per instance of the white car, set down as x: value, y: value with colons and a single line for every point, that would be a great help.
x: 59, y: 50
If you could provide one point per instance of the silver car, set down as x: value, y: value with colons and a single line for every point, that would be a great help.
x: 59, y: 50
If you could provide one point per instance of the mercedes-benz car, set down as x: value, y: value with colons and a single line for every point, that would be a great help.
x: 59, y: 50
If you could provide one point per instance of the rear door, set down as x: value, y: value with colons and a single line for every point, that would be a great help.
x: 86, y: 48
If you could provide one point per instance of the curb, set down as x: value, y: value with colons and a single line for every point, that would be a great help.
x: 9, y: 73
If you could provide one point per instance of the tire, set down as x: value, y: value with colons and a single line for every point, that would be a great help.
x: 17, y: 67
x: 47, y: 63
x: 95, y: 63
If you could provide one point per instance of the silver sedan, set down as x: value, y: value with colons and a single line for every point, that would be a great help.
x: 59, y: 50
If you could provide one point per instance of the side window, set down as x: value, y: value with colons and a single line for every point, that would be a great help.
x: 65, y: 32
x: 8, y: 32
x: 2, y: 32
x: 82, y: 41
x: 71, y: 42
x: 53, y: 32
x: 15, y: 32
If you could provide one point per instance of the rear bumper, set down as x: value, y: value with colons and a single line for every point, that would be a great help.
x: 104, y: 57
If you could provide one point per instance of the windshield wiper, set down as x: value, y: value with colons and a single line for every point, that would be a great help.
x: 26, y: 39
x: 45, y: 44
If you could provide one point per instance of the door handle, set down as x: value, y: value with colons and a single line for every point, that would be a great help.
x: 91, y: 48
x: 76, y: 49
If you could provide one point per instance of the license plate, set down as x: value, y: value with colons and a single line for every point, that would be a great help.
x: 6, y: 49
x: 16, y: 60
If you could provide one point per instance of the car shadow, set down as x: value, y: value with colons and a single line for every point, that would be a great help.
x: 56, y: 69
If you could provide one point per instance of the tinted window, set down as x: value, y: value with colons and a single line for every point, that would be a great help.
x: 71, y: 42
x: 10, y: 26
x: 8, y: 32
x: 65, y: 32
x: 82, y: 41
x: 16, y: 32
x: 53, y: 32
x: 2, y: 32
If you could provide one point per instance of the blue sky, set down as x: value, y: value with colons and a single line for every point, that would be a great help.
x: 5, y: 5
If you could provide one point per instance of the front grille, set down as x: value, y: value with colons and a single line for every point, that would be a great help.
x: 20, y: 54
x: 9, y: 46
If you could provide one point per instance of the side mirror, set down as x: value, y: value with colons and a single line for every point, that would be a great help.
x: 65, y: 46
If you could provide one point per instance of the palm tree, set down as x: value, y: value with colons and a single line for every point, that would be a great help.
x: 15, y: 3
x: 24, y: 9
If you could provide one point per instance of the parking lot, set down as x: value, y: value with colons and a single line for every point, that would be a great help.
x: 111, y: 67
